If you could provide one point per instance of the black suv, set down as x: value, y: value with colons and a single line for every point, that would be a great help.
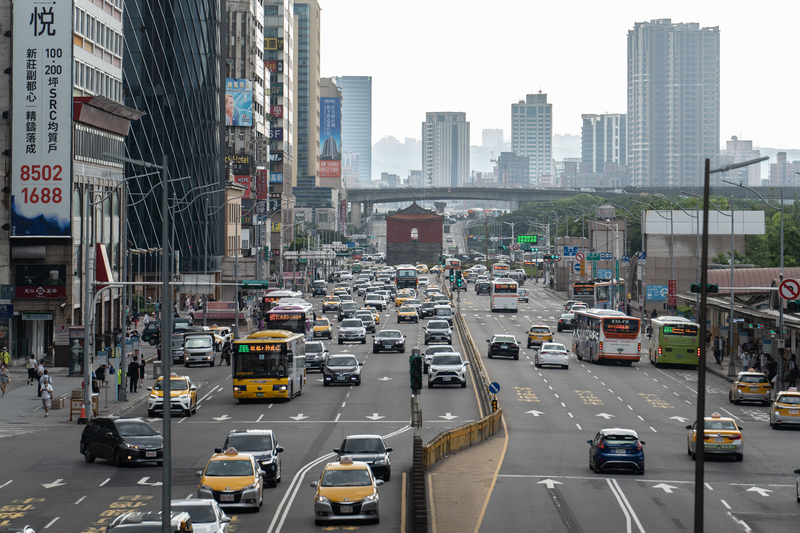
x: 370, y: 449
x: 483, y: 286
x: 122, y: 440
x: 262, y: 445
x: 427, y: 309
x: 347, y: 310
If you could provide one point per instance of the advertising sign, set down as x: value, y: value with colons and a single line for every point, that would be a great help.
x: 672, y: 292
x: 262, y: 184
x: 238, y: 102
x: 657, y: 293
x: 41, y: 129
x: 276, y: 111
x: 244, y: 181
x: 343, y: 215
x: 274, y: 201
x: 273, y: 43
x: 275, y: 227
x: 276, y: 90
x: 330, y: 137
x: 6, y: 311
x: 41, y: 281
x: 241, y: 164
x: 275, y: 66
x: 276, y: 157
x: 276, y: 134
x: 276, y: 177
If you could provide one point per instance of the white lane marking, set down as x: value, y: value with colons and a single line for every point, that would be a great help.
x: 106, y: 481
x: 260, y: 417
x: 631, y: 408
x: 625, y: 506
x: 556, y: 395
x: 654, y: 429
x: 337, y: 417
x: 51, y: 522
x: 344, y: 403
x: 708, y: 486
x: 579, y: 427
x: 676, y: 394
x: 570, y: 415
x: 80, y: 500
x: 6, y: 483
x: 725, y: 504
x: 563, y: 405
x: 732, y: 415
x: 210, y: 392
x: 640, y: 418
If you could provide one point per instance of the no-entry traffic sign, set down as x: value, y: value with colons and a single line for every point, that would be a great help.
x: 515, y: 247
x: 579, y: 256
x: 789, y: 289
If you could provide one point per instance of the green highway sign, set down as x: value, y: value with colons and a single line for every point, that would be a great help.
x: 527, y: 239
x: 302, y: 260
x: 594, y: 267
x: 593, y: 257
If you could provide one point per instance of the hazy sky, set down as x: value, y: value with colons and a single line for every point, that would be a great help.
x: 479, y: 57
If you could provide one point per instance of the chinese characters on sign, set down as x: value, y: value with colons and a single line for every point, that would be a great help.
x: 330, y: 137
x: 41, y: 172
x: 262, y: 183
x: 41, y: 281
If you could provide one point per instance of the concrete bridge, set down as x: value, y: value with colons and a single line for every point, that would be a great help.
x: 363, y: 199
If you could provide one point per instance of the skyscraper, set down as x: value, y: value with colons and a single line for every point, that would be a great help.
x: 307, y: 18
x: 357, y: 124
x: 445, y: 149
x: 602, y: 141
x: 673, y: 102
x: 532, y: 134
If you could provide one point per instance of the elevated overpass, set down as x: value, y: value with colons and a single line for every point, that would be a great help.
x: 363, y: 200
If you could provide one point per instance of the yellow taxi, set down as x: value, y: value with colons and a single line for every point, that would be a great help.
x: 330, y: 303
x: 233, y: 479
x: 402, y: 296
x: 785, y: 410
x: 435, y: 269
x: 183, y: 396
x: 422, y: 268
x: 407, y: 314
x: 375, y: 314
x: 539, y: 334
x: 750, y: 386
x: 323, y: 328
x: 346, y: 490
x: 722, y: 437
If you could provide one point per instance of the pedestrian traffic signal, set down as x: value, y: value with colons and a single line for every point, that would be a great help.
x: 452, y: 275
x: 710, y: 288
x: 415, y: 364
x: 793, y: 306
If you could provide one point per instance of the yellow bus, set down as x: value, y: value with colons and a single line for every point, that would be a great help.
x: 269, y: 364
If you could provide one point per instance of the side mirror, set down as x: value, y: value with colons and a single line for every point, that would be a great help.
x: 378, y: 482
x: 642, y: 442
x: 360, y: 364
x: 336, y: 450
x: 217, y: 450
x: 466, y: 362
x: 589, y: 441
x: 278, y: 449
x: 487, y: 340
x: 261, y: 473
x: 199, y: 473
x: 797, y: 471
x: 313, y: 484
x: 389, y: 449
x: 149, y: 388
x: 225, y: 519
x: 688, y: 427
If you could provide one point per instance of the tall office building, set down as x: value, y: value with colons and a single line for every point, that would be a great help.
x: 357, y: 124
x: 738, y: 151
x: 673, y: 102
x: 183, y: 100
x: 532, y: 135
x: 783, y: 173
x: 602, y: 141
x: 445, y: 149
x: 307, y: 20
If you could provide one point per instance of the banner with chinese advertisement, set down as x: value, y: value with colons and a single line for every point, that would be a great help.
x: 275, y: 66
x: 276, y: 177
x: 343, y: 216
x: 262, y: 183
x: 276, y: 134
x: 273, y: 43
x: 330, y: 137
x: 40, y: 281
x: 41, y: 87
x: 244, y: 181
x: 238, y: 102
x: 276, y: 111
x: 240, y: 164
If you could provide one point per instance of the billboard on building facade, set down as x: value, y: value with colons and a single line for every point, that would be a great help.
x: 241, y: 164
x: 275, y: 66
x: 276, y: 134
x: 276, y: 157
x: 238, y: 102
x: 40, y: 281
x: 41, y: 129
x: 273, y: 43
x: 244, y: 181
x: 276, y: 111
x: 330, y: 137
x: 276, y: 177
x: 262, y: 183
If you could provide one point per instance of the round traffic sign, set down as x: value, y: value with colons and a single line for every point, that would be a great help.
x: 331, y: 254
x: 789, y: 289
x: 579, y: 256
x: 515, y: 247
x: 557, y: 259
x: 494, y: 387
x: 577, y: 267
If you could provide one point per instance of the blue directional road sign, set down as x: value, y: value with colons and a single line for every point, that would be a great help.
x: 604, y: 273
x: 642, y: 256
x: 626, y: 259
x: 494, y: 387
x: 605, y: 256
x: 570, y: 251
x: 350, y: 244
x: 657, y: 293
x: 577, y: 267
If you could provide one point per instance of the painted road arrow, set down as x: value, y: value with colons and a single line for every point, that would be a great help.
x: 384, y: 378
x: 667, y: 488
x: 605, y: 415
x: 763, y: 492
x: 222, y: 418
x: 375, y: 416
x: 679, y: 419
x: 298, y: 417
x: 56, y: 483
x: 534, y: 413
x: 550, y: 483
x: 143, y: 481
x: 448, y: 416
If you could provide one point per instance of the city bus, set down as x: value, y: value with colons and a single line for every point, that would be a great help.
x: 674, y: 340
x: 294, y: 318
x: 504, y: 295
x: 605, y: 335
x: 269, y: 364
x: 583, y: 291
x: 605, y: 290
x: 406, y: 277
x: 500, y: 270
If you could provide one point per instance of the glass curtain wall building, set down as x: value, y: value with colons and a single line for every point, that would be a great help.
x: 357, y: 123
x: 172, y: 72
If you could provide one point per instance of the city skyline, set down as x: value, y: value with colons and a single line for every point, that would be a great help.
x: 589, y: 48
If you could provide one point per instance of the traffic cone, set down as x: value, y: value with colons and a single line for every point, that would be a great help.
x: 82, y: 418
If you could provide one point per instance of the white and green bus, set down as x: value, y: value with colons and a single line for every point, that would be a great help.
x: 674, y: 340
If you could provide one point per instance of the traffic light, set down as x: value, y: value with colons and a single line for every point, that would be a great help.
x: 710, y: 288
x: 459, y: 279
x: 793, y: 306
x: 441, y: 260
x: 415, y: 365
x: 452, y: 275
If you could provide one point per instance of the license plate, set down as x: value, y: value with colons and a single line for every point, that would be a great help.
x: 317, y: 334
x: 346, y: 509
x: 619, y: 452
x: 446, y: 378
x: 226, y: 497
x: 388, y: 344
x: 719, y: 439
x: 753, y: 389
x: 150, y: 454
x: 504, y: 346
x: 259, y: 394
x: 794, y: 411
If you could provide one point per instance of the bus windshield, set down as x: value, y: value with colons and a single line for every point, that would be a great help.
x: 621, y: 325
x: 260, y: 360
x: 289, y: 321
x: 684, y: 330
x: 407, y: 273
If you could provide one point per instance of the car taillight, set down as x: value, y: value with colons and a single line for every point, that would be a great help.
x: 495, y: 345
x: 638, y: 445
x: 735, y: 437
x: 698, y: 353
x: 640, y: 347
x: 601, y: 445
x: 659, y: 350
x: 601, y: 346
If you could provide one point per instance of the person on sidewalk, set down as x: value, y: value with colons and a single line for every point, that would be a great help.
x: 33, y: 370
x: 135, y: 316
x: 120, y: 383
x: 708, y: 339
x: 101, y: 375
x: 133, y: 374
x: 5, y: 378
x: 142, y: 373
x: 40, y: 373
x: 5, y: 357
x: 146, y: 320
x: 44, y: 382
x: 47, y: 394
x: 745, y: 357
x: 792, y: 371
x: 717, y: 350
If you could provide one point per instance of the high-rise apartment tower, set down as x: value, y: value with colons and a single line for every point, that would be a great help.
x: 532, y: 134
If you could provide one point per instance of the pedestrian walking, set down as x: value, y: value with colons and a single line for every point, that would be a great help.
x: 40, y: 373
x: 43, y: 381
x: 717, y: 350
x: 133, y: 374
x: 5, y: 378
x: 227, y: 349
x: 772, y: 369
x: 142, y: 373
x: 745, y: 356
x: 135, y: 316
x: 792, y: 371
x: 146, y: 320
x: 101, y: 374
x: 33, y: 370
x: 46, y: 394
x: 708, y: 340
x: 5, y: 357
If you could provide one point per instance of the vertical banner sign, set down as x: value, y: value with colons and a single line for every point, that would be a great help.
x: 672, y: 293
x: 41, y: 146
x: 594, y: 269
x: 330, y: 137
x: 262, y: 183
x: 238, y: 102
x: 616, y: 270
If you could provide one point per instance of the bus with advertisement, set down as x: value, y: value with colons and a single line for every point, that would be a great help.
x: 500, y: 270
x: 294, y: 318
x: 504, y: 295
x: 674, y: 340
x: 597, y: 293
x: 605, y: 335
x: 406, y: 277
x: 269, y: 364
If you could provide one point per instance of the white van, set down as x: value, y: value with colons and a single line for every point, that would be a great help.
x: 443, y: 312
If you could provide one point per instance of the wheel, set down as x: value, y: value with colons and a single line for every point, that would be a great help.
x: 339, y: 341
x: 403, y: 350
x: 186, y: 365
x: 363, y: 341
x: 490, y: 355
x: 740, y: 457
x: 150, y: 413
x: 152, y: 341
x: 430, y: 384
x: 529, y: 346
x: 464, y: 385
x: 398, y: 320
x: 688, y: 450
x: 187, y: 413
x: 330, y: 336
x: 388, y: 475
x: 118, y: 458
x: 596, y: 469
x: 640, y: 472
x: 211, y: 364
x: 565, y: 367
x: 559, y: 329
x: 426, y: 342
x: 159, y: 463
x: 194, y: 409
x: 730, y: 397
x: 516, y: 357
x: 87, y: 453
x: 694, y: 456
x: 375, y: 350
x: 579, y: 356
x: 358, y: 383
x: 536, y: 362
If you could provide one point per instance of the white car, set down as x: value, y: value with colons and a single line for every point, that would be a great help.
x: 375, y: 300
x: 344, y: 274
x: 207, y: 515
x: 352, y: 330
x: 552, y: 353
x: 447, y: 369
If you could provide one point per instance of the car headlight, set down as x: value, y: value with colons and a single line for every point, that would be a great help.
x: 153, y: 396
x: 130, y: 446
x: 254, y: 486
x: 371, y: 498
x: 205, y: 487
x: 323, y: 499
x: 380, y: 462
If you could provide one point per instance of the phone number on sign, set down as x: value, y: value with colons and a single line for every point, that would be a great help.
x: 44, y: 195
